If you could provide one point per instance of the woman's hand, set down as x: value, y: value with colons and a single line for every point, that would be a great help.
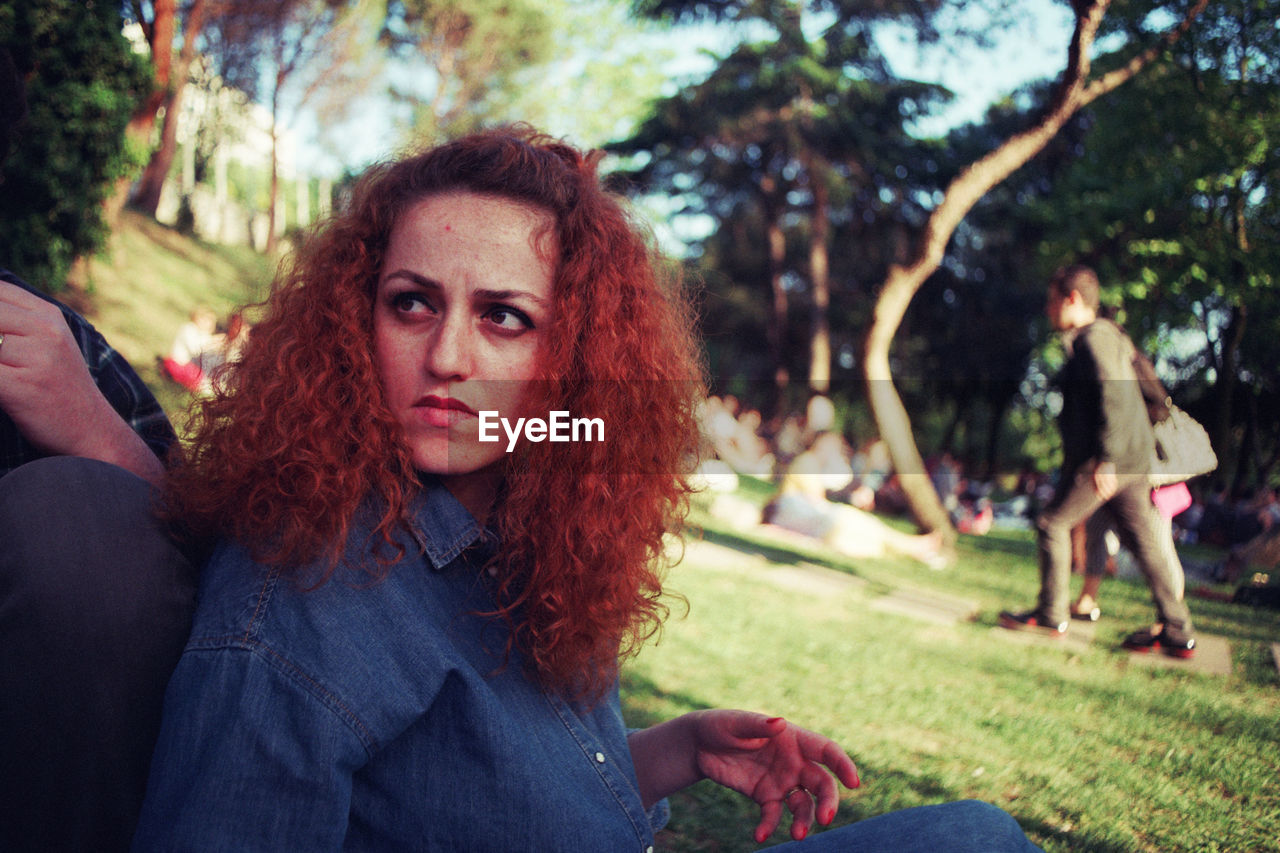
x: 775, y: 763
x: 771, y: 761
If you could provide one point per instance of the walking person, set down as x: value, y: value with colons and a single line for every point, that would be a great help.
x: 1107, y: 446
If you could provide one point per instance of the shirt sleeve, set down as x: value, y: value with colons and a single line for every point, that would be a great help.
x: 252, y: 756
x: 122, y: 387
x: 659, y: 814
x: 1118, y: 396
x: 115, y: 378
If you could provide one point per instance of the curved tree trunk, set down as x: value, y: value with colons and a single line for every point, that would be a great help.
x: 905, y: 279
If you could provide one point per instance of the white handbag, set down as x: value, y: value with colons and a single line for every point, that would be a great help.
x: 1183, y: 449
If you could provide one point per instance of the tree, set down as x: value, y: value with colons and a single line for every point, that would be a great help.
x: 807, y: 120
x: 166, y: 23
x: 1075, y: 89
x: 1184, y: 226
x: 286, y: 52
x: 979, y: 313
x: 84, y: 83
x: 475, y: 50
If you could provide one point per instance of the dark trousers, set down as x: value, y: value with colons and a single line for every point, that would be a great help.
x: 95, y: 607
x: 1137, y: 522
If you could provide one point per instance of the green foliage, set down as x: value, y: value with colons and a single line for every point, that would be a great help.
x: 1174, y: 195
x: 796, y: 117
x: 576, y: 68
x: 83, y: 87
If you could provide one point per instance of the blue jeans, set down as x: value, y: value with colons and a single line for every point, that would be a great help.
x: 965, y: 826
x: 95, y: 605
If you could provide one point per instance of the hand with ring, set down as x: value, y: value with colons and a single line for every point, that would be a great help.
x: 776, y: 764
x: 46, y: 389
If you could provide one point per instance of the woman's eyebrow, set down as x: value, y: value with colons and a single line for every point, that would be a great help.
x: 507, y: 295
x: 415, y: 278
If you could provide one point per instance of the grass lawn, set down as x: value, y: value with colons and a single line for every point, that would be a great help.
x: 142, y: 288
x: 1085, y: 749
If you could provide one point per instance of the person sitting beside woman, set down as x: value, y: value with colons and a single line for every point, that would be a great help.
x: 409, y: 638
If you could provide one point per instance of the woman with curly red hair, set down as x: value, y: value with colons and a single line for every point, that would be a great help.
x: 409, y: 634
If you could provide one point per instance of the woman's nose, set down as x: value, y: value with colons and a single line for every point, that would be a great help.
x: 449, y: 353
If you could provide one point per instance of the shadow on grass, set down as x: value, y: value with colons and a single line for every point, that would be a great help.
x: 773, y: 553
x: 1019, y: 545
x: 635, y: 685
x: 709, y: 817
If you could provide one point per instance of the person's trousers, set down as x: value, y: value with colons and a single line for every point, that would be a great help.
x: 95, y: 608
x: 1099, y: 548
x: 1140, y: 528
x: 965, y: 826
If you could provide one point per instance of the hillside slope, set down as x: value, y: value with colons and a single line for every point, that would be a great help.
x: 142, y: 287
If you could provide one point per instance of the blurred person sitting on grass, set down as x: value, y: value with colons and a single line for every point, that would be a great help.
x: 801, y: 506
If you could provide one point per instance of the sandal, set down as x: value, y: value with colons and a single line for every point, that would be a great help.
x: 1093, y: 614
x: 1090, y: 613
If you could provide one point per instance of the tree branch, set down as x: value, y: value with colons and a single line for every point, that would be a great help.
x: 1113, y: 79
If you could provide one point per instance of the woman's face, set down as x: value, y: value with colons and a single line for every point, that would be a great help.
x: 459, y: 318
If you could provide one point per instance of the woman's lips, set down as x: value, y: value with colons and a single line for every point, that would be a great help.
x: 442, y: 411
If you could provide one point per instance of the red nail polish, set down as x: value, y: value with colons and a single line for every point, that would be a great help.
x: 773, y: 720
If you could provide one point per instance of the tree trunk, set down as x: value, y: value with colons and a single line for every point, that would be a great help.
x: 159, y: 34
x: 1225, y: 390
x: 905, y: 279
x: 820, y: 282
x: 776, y: 331
x: 274, y: 200
x: 151, y: 184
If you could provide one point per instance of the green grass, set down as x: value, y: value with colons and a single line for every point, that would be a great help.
x: 1087, y: 751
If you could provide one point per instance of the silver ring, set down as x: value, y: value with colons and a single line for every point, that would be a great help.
x: 1, y: 340
x: 794, y: 790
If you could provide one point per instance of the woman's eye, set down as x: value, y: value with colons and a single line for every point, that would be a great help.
x: 410, y: 302
x: 509, y: 319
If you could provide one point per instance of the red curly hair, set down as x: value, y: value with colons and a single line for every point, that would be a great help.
x: 297, y: 437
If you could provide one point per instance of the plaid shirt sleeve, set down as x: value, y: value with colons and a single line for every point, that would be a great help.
x: 115, y: 378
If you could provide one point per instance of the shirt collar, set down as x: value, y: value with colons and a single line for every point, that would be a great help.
x: 441, y: 526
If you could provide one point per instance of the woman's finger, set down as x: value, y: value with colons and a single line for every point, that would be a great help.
x: 749, y: 725
x: 823, y: 750
x: 770, y: 814
x: 800, y: 802
x: 823, y: 787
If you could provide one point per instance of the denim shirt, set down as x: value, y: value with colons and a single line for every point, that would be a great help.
x: 378, y: 716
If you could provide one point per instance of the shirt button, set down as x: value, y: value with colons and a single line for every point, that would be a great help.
x: 599, y: 758
x: 648, y: 849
